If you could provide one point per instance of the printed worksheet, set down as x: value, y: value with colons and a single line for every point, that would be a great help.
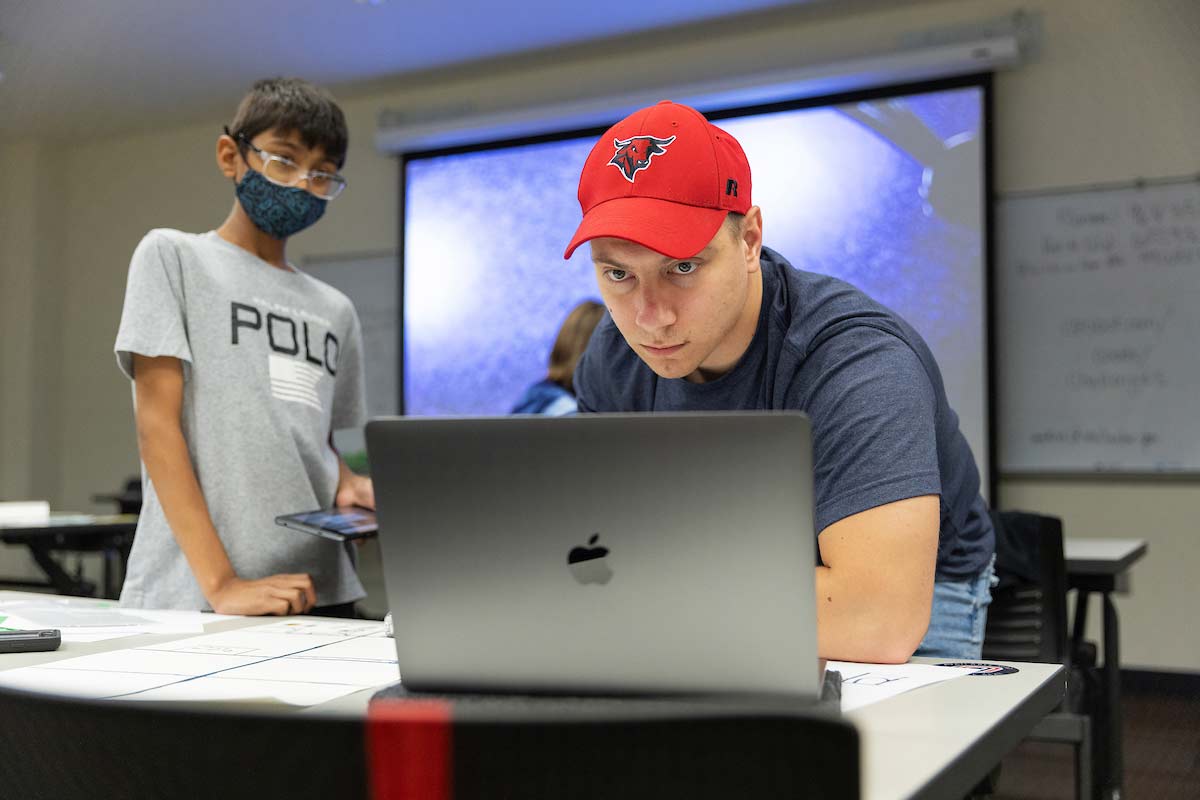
x: 863, y: 684
x: 302, y: 662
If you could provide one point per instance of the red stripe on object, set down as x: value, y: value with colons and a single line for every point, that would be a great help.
x: 408, y: 750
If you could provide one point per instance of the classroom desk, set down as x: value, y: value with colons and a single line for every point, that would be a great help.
x: 1101, y: 565
x: 933, y: 742
x: 110, y: 535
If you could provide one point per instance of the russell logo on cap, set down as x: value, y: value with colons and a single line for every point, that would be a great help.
x: 633, y: 154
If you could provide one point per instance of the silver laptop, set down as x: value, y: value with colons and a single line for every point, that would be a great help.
x: 610, y: 554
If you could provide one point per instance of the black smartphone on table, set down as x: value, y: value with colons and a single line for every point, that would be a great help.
x: 344, y: 524
x: 30, y: 641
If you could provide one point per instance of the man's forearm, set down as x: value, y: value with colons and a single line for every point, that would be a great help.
x: 859, y: 623
x: 165, y: 454
x: 876, y: 588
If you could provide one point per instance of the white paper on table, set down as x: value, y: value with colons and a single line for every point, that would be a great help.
x: 77, y: 683
x: 91, y: 636
x: 55, y: 616
x: 77, y: 618
x: 231, y: 689
x: 340, y: 628
x: 359, y: 674
x: 295, y: 663
x: 247, y: 642
x: 190, y: 618
x: 363, y: 648
x: 863, y: 684
x: 154, y: 662
x: 28, y: 512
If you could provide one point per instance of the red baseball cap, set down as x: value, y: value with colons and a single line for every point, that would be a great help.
x: 665, y: 178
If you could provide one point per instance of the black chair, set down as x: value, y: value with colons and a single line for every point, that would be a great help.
x: 1027, y: 621
x: 128, y: 500
x: 489, y: 747
x: 62, y: 748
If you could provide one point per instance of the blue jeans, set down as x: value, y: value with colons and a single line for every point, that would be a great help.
x: 959, y: 616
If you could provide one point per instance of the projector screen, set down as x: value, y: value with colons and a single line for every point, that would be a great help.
x: 885, y: 191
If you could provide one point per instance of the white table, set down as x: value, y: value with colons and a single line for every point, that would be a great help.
x: 934, y: 742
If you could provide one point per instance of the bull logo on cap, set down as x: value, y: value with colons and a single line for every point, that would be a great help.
x: 633, y: 154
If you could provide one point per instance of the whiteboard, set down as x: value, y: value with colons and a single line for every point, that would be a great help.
x: 1098, y: 329
x: 371, y: 281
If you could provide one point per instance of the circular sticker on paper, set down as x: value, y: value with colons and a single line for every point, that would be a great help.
x: 984, y: 669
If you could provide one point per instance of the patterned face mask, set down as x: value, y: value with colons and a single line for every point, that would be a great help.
x: 278, y: 211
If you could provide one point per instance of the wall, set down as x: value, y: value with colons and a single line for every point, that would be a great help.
x: 30, y: 312
x: 18, y: 164
x: 1110, y: 96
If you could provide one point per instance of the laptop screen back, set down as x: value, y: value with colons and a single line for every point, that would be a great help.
x: 599, y: 553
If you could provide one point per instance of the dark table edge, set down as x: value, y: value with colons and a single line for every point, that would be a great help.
x: 18, y: 535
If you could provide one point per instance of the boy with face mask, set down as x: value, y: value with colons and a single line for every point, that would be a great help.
x: 242, y: 368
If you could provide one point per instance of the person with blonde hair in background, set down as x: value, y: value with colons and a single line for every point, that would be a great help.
x: 554, y: 395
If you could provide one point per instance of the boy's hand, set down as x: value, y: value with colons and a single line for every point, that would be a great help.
x: 355, y: 490
x: 279, y: 595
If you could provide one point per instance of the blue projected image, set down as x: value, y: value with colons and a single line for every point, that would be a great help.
x: 886, y: 194
x: 485, y: 285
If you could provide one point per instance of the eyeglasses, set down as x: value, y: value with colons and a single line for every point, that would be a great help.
x: 283, y: 171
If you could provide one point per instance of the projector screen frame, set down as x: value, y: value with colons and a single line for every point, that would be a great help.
x: 981, y: 80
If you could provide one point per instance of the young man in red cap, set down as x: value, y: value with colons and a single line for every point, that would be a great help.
x: 702, y: 316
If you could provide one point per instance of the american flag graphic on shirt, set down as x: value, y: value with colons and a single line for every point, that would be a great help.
x: 295, y: 381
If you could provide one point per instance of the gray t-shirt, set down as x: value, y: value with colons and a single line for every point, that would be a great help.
x: 272, y: 363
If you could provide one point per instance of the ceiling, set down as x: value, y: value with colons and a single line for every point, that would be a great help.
x: 94, y: 67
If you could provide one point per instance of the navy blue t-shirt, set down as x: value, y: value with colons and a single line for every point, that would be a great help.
x: 882, y: 428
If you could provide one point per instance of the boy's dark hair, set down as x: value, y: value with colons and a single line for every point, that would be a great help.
x: 293, y: 104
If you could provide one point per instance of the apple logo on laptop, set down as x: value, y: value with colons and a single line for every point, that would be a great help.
x: 587, y: 563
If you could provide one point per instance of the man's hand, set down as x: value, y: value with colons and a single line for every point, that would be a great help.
x: 278, y: 595
x: 355, y: 490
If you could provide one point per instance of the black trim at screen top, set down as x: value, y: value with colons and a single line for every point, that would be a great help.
x: 990, y: 392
